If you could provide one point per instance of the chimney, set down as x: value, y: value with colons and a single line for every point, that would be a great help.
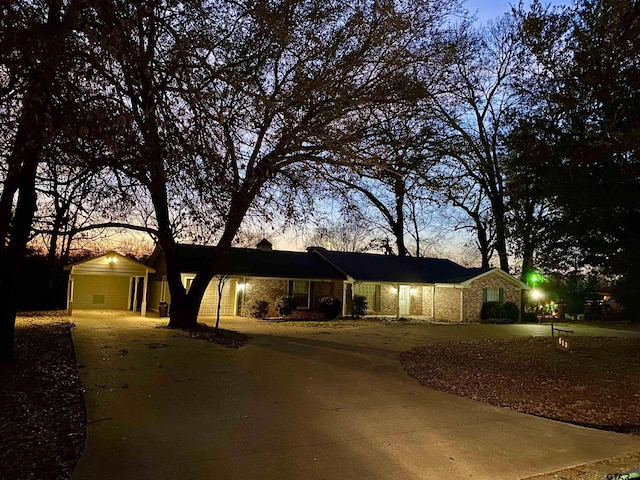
x: 264, y: 244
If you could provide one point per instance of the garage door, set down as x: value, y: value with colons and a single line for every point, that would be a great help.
x: 101, y: 292
x: 209, y: 303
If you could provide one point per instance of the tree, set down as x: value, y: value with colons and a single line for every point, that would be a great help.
x: 587, y: 125
x: 36, y: 44
x: 216, y: 100
x: 387, y: 170
x: 473, y: 108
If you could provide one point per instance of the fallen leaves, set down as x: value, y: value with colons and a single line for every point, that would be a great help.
x: 596, y: 384
x: 42, y: 413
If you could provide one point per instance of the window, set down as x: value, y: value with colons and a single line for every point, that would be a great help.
x: 492, y: 295
x: 372, y: 292
x: 301, y: 291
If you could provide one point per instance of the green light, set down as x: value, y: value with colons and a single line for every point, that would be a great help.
x: 534, y: 278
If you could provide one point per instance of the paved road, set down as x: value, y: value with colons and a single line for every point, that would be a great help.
x: 302, y: 403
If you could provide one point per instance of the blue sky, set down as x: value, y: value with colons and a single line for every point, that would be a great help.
x: 488, y: 9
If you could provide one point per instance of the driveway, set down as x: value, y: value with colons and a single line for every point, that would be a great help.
x: 302, y: 403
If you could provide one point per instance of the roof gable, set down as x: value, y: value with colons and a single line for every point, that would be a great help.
x: 110, y: 263
x: 498, y: 271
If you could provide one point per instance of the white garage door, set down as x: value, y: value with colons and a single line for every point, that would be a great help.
x: 209, y: 303
x: 101, y: 292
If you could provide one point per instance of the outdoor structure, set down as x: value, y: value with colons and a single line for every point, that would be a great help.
x: 437, y: 289
x: 110, y: 281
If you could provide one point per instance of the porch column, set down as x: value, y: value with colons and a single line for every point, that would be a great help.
x: 398, y: 301
x: 70, y: 295
x: 433, y: 302
x: 143, y: 309
x: 344, y: 298
x: 135, y: 293
x: 461, y: 305
x: 129, y: 306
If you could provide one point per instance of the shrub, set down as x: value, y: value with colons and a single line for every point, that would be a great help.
x: 330, y: 307
x: 492, y: 310
x: 511, y: 311
x: 360, y: 305
x: 286, y: 305
x: 259, y: 309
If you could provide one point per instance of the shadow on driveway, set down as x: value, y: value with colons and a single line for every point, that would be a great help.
x: 301, y: 402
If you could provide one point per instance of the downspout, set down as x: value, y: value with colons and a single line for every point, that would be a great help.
x: 398, y: 302
x: 461, y: 305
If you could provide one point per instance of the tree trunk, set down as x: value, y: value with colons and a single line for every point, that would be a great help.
x: 398, y: 226
x: 498, y: 209
x: 27, y: 150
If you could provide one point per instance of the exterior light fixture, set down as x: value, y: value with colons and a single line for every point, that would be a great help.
x: 112, y: 259
x: 241, y: 287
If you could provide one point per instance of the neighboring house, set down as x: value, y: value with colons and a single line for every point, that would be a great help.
x: 110, y: 281
x: 437, y: 289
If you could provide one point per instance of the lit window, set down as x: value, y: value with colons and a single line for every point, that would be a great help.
x: 301, y: 291
x: 372, y: 292
x: 492, y: 295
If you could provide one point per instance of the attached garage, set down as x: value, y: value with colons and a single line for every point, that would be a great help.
x: 209, y: 305
x: 111, y: 282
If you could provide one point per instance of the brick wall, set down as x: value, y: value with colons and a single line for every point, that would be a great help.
x: 473, y: 294
x: 415, y: 307
x: 447, y: 302
x: 388, y: 300
x: 427, y: 297
x: 258, y: 289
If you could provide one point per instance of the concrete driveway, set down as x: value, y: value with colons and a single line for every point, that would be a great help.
x: 302, y: 403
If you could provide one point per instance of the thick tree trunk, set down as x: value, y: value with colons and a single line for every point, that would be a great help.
x: 27, y: 148
x: 498, y: 210
x: 399, y: 188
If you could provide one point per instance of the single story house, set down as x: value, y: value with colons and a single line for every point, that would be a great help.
x: 433, y: 288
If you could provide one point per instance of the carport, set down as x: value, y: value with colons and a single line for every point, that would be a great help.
x: 110, y: 281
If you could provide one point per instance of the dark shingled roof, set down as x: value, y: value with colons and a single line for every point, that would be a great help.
x: 318, y: 263
x: 367, y: 267
x: 259, y: 263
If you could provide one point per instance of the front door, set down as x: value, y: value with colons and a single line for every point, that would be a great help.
x: 404, y: 301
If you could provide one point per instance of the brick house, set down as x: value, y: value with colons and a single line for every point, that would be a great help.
x: 431, y: 288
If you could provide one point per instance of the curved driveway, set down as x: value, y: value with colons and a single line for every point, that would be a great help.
x: 302, y: 402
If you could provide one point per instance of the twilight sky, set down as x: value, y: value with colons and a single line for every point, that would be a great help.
x: 488, y: 9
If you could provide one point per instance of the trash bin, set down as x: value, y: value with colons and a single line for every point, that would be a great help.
x: 163, y: 309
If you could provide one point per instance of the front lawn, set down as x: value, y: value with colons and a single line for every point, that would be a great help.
x: 596, y: 382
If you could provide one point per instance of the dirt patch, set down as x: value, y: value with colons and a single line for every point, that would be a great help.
x: 227, y: 338
x: 42, y: 412
x: 595, y: 383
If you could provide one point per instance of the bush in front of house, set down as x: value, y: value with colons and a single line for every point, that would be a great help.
x: 259, y: 309
x: 497, y: 312
x: 330, y: 307
x: 360, y: 305
x: 492, y: 310
x: 286, y: 305
x: 511, y: 311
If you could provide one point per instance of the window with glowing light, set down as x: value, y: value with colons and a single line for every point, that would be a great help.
x: 301, y: 291
x: 372, y: 292
x: 490, y: 294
